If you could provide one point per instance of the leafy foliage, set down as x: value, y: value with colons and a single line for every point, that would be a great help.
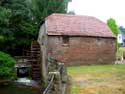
x: 113, y: 26
x: 20, y: 20
x: 6, y: 65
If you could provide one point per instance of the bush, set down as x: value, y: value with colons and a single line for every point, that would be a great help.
x: 6, y: 65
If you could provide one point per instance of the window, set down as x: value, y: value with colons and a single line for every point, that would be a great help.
x: 99, y: 41
x: 65, y: 40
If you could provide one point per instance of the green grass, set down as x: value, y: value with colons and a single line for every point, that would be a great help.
x: 97, y: 79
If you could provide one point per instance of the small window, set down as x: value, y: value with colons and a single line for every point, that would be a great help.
x: 99, y: 41
x: 65, y: 40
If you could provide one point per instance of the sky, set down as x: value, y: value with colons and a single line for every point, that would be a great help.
x: 101, y: 9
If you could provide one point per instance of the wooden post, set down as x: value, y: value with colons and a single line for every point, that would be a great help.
x: 57, y: 82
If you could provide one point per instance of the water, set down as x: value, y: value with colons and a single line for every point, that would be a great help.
x: 21, y: 86
x: 27, y: 82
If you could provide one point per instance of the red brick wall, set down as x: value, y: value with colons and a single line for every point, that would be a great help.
x: 82, y: 50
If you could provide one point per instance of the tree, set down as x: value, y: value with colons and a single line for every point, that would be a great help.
x: 20, y: 20
x: 5, y: 36
x: 43, y: 8
x: 113, y: 26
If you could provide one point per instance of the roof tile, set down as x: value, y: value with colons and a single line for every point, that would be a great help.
x: 64, y: 24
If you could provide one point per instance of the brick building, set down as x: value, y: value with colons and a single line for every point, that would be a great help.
x: 76, y: 40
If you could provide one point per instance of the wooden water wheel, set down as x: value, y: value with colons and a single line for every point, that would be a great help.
x: 35, y: 60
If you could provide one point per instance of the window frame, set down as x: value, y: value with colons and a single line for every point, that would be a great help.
x: 65, y: 40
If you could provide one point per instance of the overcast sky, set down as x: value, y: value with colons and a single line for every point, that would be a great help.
x: 101, y: 9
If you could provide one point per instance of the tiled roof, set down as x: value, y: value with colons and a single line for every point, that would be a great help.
x: 76, y: 25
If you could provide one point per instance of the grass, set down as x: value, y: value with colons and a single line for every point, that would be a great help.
x: 97, y: 79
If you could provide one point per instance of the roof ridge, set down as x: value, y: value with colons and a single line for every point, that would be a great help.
x: 63, y: 14
x: 67, y: 15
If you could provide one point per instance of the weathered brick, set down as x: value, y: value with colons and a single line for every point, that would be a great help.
x: 82, y: 50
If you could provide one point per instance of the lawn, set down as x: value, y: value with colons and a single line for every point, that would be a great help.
x: 97, y: 79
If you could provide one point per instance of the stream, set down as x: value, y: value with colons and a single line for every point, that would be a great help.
x: 21, y: 86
